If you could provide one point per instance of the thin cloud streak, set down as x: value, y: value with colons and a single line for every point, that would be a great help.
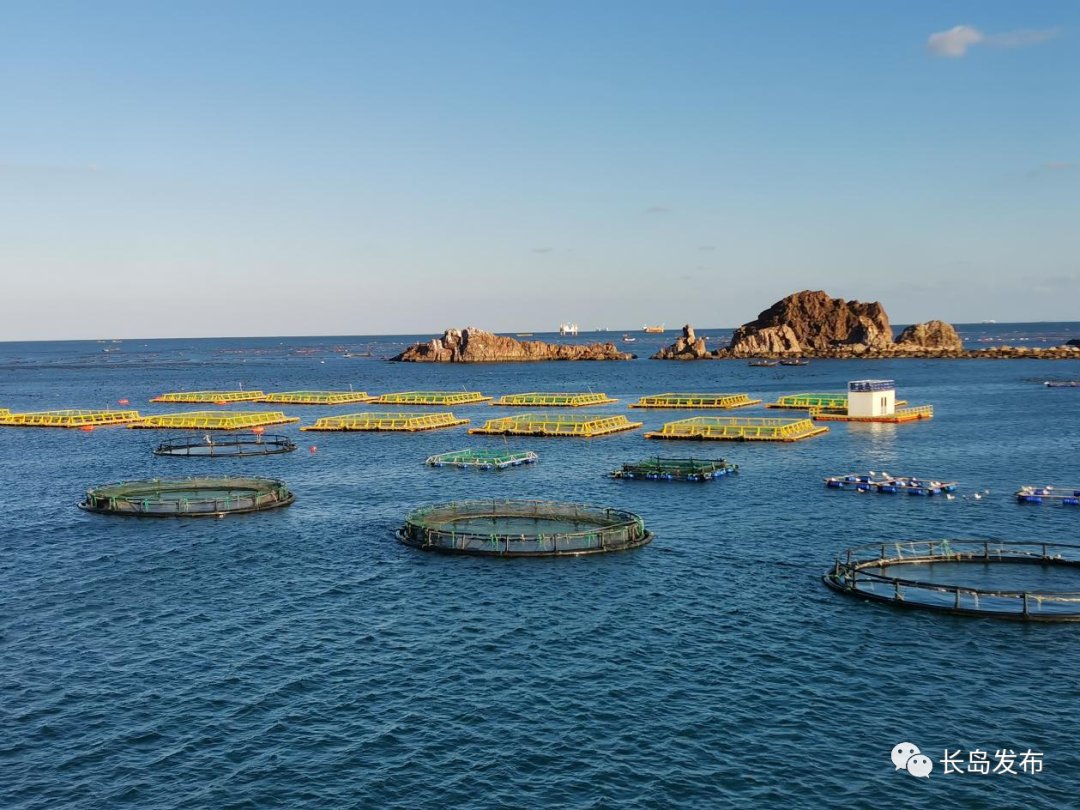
x: 958, y: 40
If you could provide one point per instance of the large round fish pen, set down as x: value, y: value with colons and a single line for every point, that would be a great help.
x: 226, y: 446
x: 522, y: 528
x: 991, y: 578
x: 188, y: 497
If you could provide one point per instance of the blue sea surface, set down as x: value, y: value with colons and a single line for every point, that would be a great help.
x: 304, y: 658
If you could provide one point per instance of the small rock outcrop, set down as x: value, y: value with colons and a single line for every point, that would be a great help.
x: 1073, y: 342
x: 936, y: 335
x: 687, y: 347
x: 811, y: 322
x: 472, y: 345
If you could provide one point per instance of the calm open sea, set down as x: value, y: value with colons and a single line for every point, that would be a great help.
x: 304, y: 658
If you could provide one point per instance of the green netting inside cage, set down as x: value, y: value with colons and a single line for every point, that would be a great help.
x: 659, y: 468
x: 482, y: 459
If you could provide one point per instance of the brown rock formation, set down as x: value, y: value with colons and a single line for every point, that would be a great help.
x: 688, y: 347
x: 813, y: 323
x: 472, y: 345
x: 936, y: 335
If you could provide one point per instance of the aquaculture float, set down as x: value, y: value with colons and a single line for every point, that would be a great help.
x: 537, y: 399
x: 228, y: 446
x: 316, y: 397
x: 938, y: 575
x: 482, y: 459
x: 659, y: 468
x: 379, y: 421
x: 1062, y: 383
x: 890, y: 485
x: 673, y: 401
x: 739, y: 429
x: 216, y: 397
x: 522, y: 528
x: 872, y: 401
x: 84, y: 419
x: 565, y: 425
x: 1066, y: 496
x: 188, y: 497
x: 444, y: 398
x: 213, y: 420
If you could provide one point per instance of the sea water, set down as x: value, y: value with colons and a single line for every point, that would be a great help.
x: 303, y: 657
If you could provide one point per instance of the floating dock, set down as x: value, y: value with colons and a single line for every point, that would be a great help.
x: 912, y: 414
x: 658, y: 468
x: 217, y: 397
x: 890, y: 485
x: 695, y: 401
x: 482, y: 459
x: 431, y: 398
x: 739, y: 429
x: 536, y: 399
x: 317, y: 397
x: 375, y: 421
x: 871, y: 401
x: 68, y: 418
x: 1066, y: 496
x: 214, y: 420
x: 544, y: 424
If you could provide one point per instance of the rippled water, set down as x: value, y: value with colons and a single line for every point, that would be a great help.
x: 302, y: 657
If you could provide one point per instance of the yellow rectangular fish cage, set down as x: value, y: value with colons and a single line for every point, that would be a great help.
x: 217, y: 397
x: 695, y: 401
x: 317, y: 397
x: 912, y: 414
x: 536, y: 399
x: 432, y: 398
x: 67, y: 418
x: 215, y: 420
x: 739, y: 429
x: 543, y: 424
x: 804, y: 402
x: 408, y: 422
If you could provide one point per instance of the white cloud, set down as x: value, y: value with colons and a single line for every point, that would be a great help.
x: 954, y: 42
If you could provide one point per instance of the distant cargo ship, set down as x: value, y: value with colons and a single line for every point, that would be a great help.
x: 654, y: 330
x: 568, y: 329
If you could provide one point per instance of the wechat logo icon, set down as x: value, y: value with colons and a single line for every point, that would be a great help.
x: 907, y: 757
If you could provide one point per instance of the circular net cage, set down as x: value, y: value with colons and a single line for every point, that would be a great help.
x: 522, y: 528
x: 1022, y: 581
x: 188, y: 497
x: 226, y: 446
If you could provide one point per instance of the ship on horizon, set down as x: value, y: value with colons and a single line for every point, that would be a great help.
x: 568, y: 329
x: 653, y: 330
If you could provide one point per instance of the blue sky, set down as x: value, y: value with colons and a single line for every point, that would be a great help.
x: 194, y: 168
